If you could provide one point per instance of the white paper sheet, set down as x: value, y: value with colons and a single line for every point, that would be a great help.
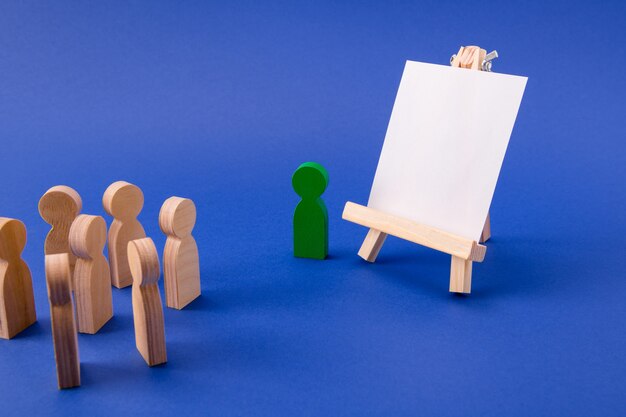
x: 446, y: 140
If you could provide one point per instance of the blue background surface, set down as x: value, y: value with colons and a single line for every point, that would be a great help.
x: 220, y: 102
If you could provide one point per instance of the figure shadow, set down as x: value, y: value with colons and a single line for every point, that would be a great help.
x: 37, y: 329
x: 202, y: 302
x: 116, y: 324
x: 518, y: 267
x: 219, y: 353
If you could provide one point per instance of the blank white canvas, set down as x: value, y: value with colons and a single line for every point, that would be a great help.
x: 446, y: 140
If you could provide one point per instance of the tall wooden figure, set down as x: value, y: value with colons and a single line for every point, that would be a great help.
x: 147, y: 309
x: 181, y: 268
x: 310, y: 219
x: 92, y: 278
x: 17, y: 304
x: 59, y: 206
x: 58, y: 278
x: 124, y: 202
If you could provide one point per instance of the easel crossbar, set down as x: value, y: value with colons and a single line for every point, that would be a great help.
x: 414, y: 232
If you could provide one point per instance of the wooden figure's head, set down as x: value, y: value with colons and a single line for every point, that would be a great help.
x: 88, y: 236
x: 143, y: 259
x: 60, y: 203
x: 310, y: 180
x: 177, y: 217
x: 58, y: 277
x: 12, y: 238
x: 123, y: 200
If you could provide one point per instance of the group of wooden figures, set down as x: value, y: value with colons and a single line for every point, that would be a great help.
x: 79, y: 277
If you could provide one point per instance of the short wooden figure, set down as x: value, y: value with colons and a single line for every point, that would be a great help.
x: 310, y: 219
x: 92, y: 279
x: 58, y: 278
x: 124, y: 202
x: 147, y: 309
x: 17, y: 304
x: 181, y: 268
x: 59, y: 206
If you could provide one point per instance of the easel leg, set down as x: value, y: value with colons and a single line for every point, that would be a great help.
x: 372, y: 244
x: 486, y: 234
x: 460, y: 275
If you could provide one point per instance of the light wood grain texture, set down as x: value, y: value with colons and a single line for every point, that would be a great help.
x: 456, y: 61
x: 92, y: 279
x: 124, y: 202
x: 64, y: 337
x: 470, y: 57
x: 59, y: 206
x: 372, y: 244
x: 463, y: 250
x: 17, y: 304
x: 147, y: 309
x: 181, y: 267
x: 479, y: 57
x: 460, y: 275
x: 414, y: 232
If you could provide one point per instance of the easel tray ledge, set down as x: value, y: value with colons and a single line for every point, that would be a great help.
x: 386, y: 224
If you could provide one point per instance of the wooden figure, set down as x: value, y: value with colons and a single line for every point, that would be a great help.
x: 310, y: 219
x: 59, y: 206
x: 181, y: 268
x: 147, y: 309
x: 124, y: 202
x: 17, y: 304
x: 92, y: 279
x: 58, y: 278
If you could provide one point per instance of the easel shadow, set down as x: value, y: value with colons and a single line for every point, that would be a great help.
x: 517, y: 267
x: 510, y: 272
x: 203, y: 302
x: 418, y: 271
x: 37, y: 329
x: 115, y: 324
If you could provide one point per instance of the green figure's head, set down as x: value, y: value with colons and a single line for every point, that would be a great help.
x: 310, y: 180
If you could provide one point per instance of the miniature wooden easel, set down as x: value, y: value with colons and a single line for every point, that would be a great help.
x: 463, y: 251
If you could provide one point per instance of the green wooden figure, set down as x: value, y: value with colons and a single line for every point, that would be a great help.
x: 310, y: 220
